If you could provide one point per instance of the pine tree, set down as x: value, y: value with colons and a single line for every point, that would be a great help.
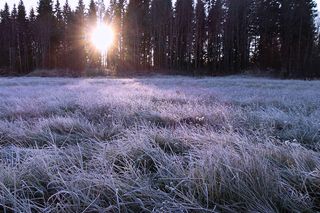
x: 58, y: 12
x: 79, y: 36
x: 236, y: 36
x: 45, y: 31
x: 184, y: 16
x: 267, y: 17
x: 137, y: 34
x: 92, y: 13
x: 297, y: 36
x: 115, y: 17
x: 93, y: 54
x: 22, y: 39
x: 5, y: 37
x: 80, y: 10
x: 161, y: 24
x: 58, y: 36
x: 22, y: 15
x: 68, y: 19
x: 200, y: 35
x: 215, y: 28
x: 67, y: 13
x: 14, y: 39
x: 132, y: 38
x: 145, y: 33
x: 33, y: 59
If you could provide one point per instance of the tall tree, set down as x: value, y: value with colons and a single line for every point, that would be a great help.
x: 161, y: 24
x: 68, y: 23
x: 215, y: 30
x: 5, y: 37
x: 137, y: 34
x: 79, y: 50
x: 22, y: 39
x: 132, y: 34
x: 93, y: 54
x: 297, y: 36
x: 92, y: 13
x: 45, y: 30
x: 58, y: 36
x: 200, y: 35
x: 145, y: 33
x: 268, y: 24
x: 184, y: 16
x: 116, y: 14
x: 14, y: 39
x: 32, y: 38
x: 236, y: 36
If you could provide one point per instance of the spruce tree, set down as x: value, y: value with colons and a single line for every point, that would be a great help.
x: 297, y: 36
x: 45, y: 33
x: 161, y: 27
x: 5, y: 37
x: 32, y: 39
x: 79, y: 36
x: 22, y: 39
x: 200, y: 35
x: 215, y: 27
x: 92, y: 18
x: 236, y: 48
x: 184, y: 16
x: 92, y: 13
x: 14, y: 39
x: 268, y: 22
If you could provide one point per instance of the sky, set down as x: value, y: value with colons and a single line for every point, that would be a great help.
x: 73, y: 3
x: 34, y: 3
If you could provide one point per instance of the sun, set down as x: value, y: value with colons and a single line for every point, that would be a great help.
x: 102, y: 37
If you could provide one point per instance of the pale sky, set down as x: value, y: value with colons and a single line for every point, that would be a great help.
x: 34, y: 3
x: 73, y: 3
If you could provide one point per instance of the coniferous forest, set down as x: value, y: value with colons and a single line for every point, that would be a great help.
x: 205, y: 37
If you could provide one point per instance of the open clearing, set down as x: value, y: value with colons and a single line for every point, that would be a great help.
x: 162, y: 144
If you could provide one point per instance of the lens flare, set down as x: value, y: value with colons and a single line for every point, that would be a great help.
x: 102, y: 37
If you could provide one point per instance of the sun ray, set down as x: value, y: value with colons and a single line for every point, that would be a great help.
x: 102, y: 37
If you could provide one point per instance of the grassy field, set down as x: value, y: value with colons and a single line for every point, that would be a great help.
x: 161, y: 144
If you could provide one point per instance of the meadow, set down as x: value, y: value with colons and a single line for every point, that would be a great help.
x: 159, y: 144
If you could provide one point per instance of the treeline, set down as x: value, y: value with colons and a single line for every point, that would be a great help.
x: 193, y: 37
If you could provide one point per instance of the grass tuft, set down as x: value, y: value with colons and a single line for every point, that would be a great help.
x: 230, y: 144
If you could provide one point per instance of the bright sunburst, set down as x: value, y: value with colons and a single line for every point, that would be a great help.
x: 102, y: 37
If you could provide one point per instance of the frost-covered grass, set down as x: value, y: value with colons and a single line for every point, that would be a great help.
x: 162, y: 144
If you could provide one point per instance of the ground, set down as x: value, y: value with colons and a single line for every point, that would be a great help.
x: 162, y: 144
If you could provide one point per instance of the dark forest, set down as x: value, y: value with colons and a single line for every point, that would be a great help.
x: 207, y: 37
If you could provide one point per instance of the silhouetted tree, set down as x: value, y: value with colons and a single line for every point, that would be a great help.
x: 93, y: 54
x: 22, y: 39
x: 183, y: 35
x: 45, y: 32
x: 297, y: 36
x: 215, y: 23
x: 79, y: 45
x: 14, y: 39
x: 32, y: 46
x: 115, y: 17
x: 200, y: 35
x: 161, y: 24
x: 236, y: 48
x: 267, y: 32
x: 215, y: 36
x: 5, y: 37
x: 137, y: 34
x: 58, y: 36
